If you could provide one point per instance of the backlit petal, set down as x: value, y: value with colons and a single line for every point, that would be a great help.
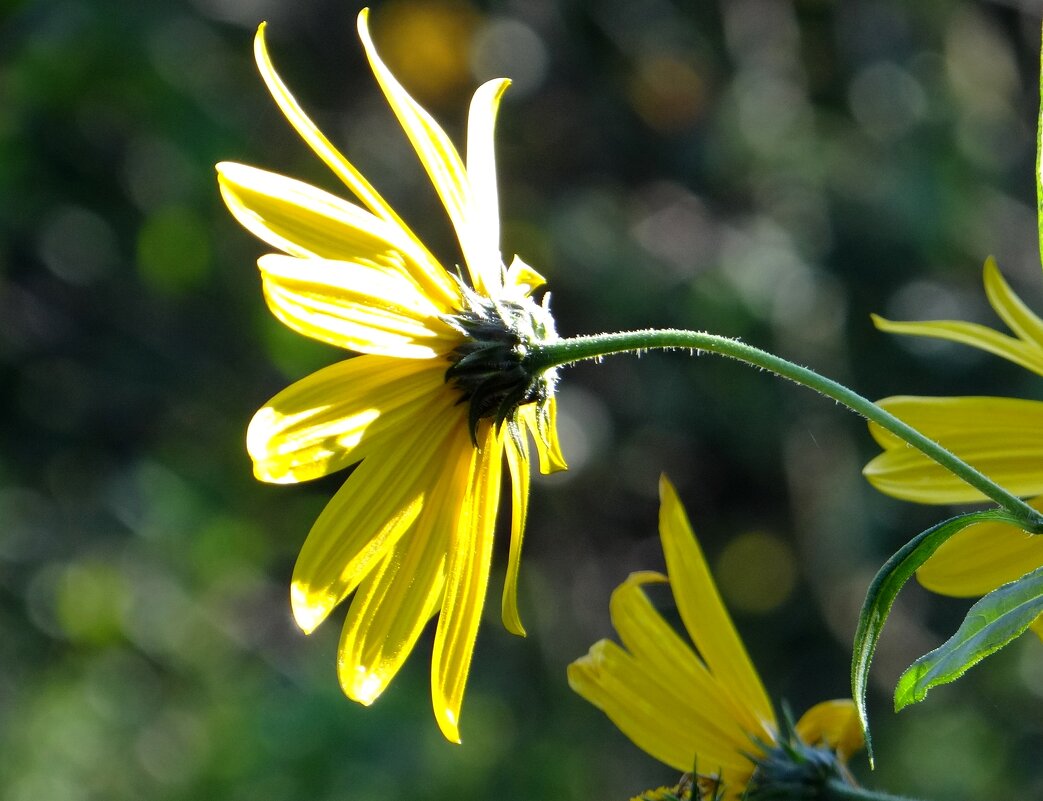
x: 708, y: 707
x: 304, y: 221
x: 981, y: 558
x: 1002, y: 437
x: 977, y: 336
x: 834, y: 724
x: 339, y: 414
x: 704, y: 615
x: 543, y: 426
x: 355, y: 306
x: 484, y: 219
x: 341, y: 167
x: 613, y: 681
x: 364, y: 520
x: 468, y: 577
x: 1019, y: 317
x: 437, y: 154
x: 396, y: 600
x: 523, y: 278
x: 516, y: 448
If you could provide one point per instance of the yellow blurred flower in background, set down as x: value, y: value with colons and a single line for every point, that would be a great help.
x: 435, y: 402
x: 1002, y: 437
x: 705, y: 708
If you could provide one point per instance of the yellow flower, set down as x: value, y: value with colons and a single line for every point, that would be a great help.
x: 680, y: 792
x: 707, y: 710
x: 1002, y: 437
x: 436, y: 400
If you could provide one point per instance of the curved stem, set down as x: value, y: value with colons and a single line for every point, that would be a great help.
x: 544, y: 355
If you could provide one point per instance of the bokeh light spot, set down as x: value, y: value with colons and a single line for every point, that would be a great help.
x: 508, y: 48
x: 174, y: 251
x: 426, y: 45
x: 756, y: 572
x: 77, y: 245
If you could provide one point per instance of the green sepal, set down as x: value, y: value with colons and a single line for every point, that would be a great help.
x: 991, y: 623
x: 883, y: 590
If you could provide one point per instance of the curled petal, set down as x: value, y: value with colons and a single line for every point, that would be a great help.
x: 705, y: 617
x: 517, y: 450
x: 982, y: 337
x: 709, y: 709
x: 1019, y: 317
x: 834, y: 724
x: 542, y: 424
x: 523, y: 278
x: 439, y: 157
x: 343, y: 168
x: 484, y: 219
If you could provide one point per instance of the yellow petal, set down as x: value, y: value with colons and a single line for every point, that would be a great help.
x: 704, y: 615
x: 355, y: 306
x: 468, y: 576
x: 345, y: 170
x: 304, y: 221
x: 543, y: 427
x: 612, y: 680
x: 977, y: 336
x: 396, y: 600
x: 1019, y: 317
x: 523, y: 277
x: 439, y: 157
x: 833, y: 724
x: 362, y: 522
x: 339, y: 414
x: 484, y: 218
x: 1002, y: 437
x: 982, y: 557
x: 517, y: 451
x: 669, y: 663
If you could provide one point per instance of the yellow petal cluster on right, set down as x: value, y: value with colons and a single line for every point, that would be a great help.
x: 704, y: 708
x: 1001, y: 437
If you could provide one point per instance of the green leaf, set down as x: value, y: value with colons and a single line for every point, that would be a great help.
x: 883, y: 590
x: 990, y: 624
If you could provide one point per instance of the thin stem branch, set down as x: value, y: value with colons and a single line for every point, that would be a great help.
x: 545, y: 355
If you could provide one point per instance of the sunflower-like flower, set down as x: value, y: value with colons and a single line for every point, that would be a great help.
x: 438, y: 397
x: 1002, y: 437
x: 705, y: 710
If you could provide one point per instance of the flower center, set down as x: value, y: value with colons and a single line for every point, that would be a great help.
x: 489, y: 367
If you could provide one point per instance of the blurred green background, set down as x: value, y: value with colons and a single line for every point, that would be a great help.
x: 769, y: 169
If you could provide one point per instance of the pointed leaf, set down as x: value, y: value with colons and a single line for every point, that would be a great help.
x: 991, y: 623
x: 883, y: 590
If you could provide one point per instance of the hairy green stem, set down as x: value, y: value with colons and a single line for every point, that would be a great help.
x: 545, y: 355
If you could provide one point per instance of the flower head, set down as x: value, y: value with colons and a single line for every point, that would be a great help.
x: 703, y: 708
x: 1002, y: 437
x: 439, y: 396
